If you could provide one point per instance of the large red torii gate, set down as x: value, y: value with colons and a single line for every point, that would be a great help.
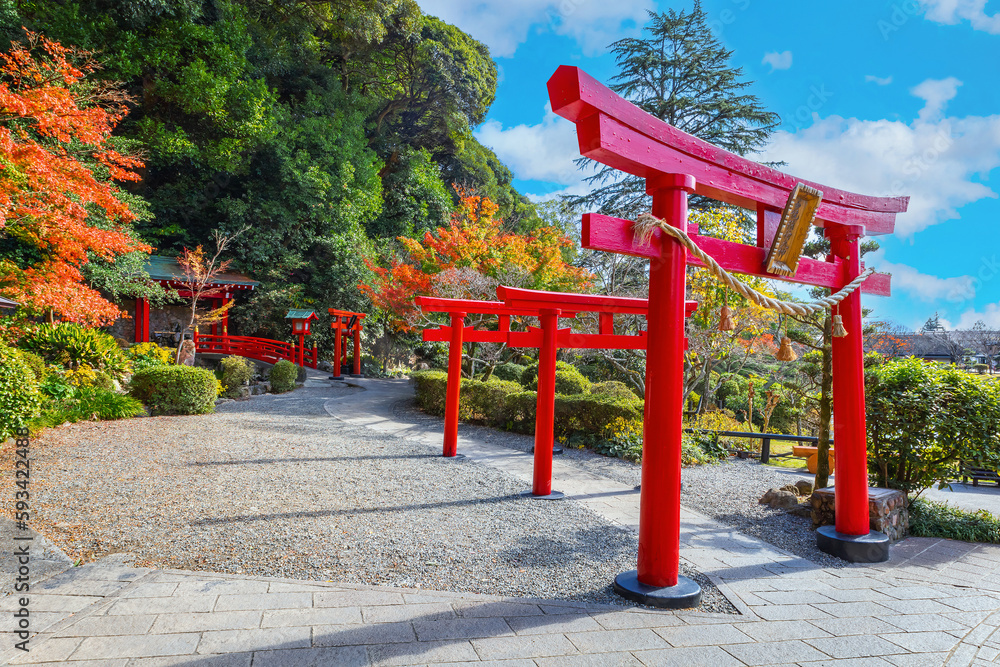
x: 616, y: 133
x: 548, y: 307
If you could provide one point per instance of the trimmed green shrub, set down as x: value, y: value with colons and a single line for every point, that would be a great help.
x: 235, y: 372
x: 431, y: 387
x: 933, y: 519
x: 176, y: 390
x: 509, y: 372
x: 485, y: 401
x: 71, y: 344
x: 613, y: 388
x: 282, y: 376
x: 923, y: 419
x: 19, y: 397
x: 569, y: 381
x: 589, y: 413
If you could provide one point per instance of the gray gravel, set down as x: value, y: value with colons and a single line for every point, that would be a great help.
x: 727, y: 492
x: 273, y: 486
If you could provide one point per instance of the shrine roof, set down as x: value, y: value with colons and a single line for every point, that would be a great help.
x: 166, y: 269
x: 7, y: 303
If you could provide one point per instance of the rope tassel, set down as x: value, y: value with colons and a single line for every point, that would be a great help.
x: 726, y: 320
x: 785, y: 352
x: 838, y: 327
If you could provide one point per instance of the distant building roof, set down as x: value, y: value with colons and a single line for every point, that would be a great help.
x: 168, y: 270
x: 7, y: 303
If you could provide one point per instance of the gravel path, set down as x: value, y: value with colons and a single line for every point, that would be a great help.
x: 273, y: 486
x: 727, y: 492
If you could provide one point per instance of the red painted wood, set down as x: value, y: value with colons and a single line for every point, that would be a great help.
x: 452, y: 394
x: 336, y: 350
x: 851, y: 463
x: 528, y: 299
x: 545, y: 404
x: 601, y: 232
x: 768, y: 220
x: 443, y: 335
x: 580, y: 98
x: 357, y: 352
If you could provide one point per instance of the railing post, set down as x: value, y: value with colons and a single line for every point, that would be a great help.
x: 765, y: 450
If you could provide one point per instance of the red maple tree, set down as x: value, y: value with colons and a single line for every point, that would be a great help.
x: 472, y: 252
x: 57, y: 196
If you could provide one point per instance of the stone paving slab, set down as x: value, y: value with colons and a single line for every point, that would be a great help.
x: 917, y: 609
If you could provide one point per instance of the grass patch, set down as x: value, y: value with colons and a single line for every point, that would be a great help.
x: 933, y: 519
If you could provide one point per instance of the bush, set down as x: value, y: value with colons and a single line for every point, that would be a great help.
x: 509, y: 372
x: 932, y: 519
x: 591, y: 414
x: 19, y: 397
x: 71, y: 345
x: 431, y: 387
x: 924, y: 418
x: 569, y: 381
x: 981, y: 368
x: 486, y: 401
x: 176, y: 390
x: 148, y: 355
x: 282, y: 376
x: 88, y: 404
x: 613, y: 388
x: 622, y: 439
x: 720, y: 420
x: 235, y: 372
x: 34, y: 363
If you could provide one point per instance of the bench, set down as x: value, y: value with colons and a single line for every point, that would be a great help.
x: 812, y: 456
x: 979, y: 475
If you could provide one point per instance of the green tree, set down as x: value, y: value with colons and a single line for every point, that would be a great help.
x: 679, y: 72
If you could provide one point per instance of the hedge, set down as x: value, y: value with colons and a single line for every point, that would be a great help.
x: 569, y: 380
x: 283, y: 376
x: 507, y: 405
x: 509, y: 371
x: 176, y: 390
x: 613, y: 388
x: 19, y: 397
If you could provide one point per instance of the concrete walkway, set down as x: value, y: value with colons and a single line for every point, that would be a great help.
x: 935, y: 603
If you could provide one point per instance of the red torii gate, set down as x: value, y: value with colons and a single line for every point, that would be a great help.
x: 345, y: 321
x: 614, y: 132
x: 548, y: 307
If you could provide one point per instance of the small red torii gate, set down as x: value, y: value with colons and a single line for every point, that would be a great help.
x: 616, y: 133
x: 548, y: 307
x: 345, y: 321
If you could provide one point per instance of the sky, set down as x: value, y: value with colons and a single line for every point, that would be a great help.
x: 881, y: 98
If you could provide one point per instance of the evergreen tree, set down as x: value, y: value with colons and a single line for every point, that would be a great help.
x: 679, y: 72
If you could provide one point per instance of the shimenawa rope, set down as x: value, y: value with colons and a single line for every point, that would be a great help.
x: 647, y: 222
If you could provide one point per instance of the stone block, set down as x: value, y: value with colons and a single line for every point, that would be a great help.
x: 887, y: 511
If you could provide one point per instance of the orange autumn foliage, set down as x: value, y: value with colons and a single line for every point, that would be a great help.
x: 474, y: 241
x: 52, y: 121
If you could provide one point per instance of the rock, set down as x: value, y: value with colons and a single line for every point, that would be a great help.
x: 325, y: 366
x: 791, y: 488
x: 804, y: 486
x: 803, y: 509
x: 768, y: 496
x: 423, y: 367
x: 220, y: 401
x: 783, y: 500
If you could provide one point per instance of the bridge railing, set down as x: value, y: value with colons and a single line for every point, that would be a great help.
x: 261, y: 349
x: 765, y: 438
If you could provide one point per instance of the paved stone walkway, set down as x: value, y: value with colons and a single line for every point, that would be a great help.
x: 937, y: 602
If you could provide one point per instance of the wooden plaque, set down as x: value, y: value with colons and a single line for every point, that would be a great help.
x: 796, y: 221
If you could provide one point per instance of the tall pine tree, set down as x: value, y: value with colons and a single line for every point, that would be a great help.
x: 679, y: 72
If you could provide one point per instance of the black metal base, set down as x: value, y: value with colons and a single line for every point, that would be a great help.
x: 456, y: 457
x: 358, y: 375
x: 686, y: 594
x: 870, y: 548
x: 556, y: 451
x: 337, y: 377
x: 555, y: 495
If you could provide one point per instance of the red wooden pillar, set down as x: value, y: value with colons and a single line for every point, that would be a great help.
x: 336, y: 349
x: 302, y: 350
x: 541, y: 486
x: 851, y: 462
x: 141, y: 320
x: 225, y: 316
x: 357, y: 351
x: 657, y: 580
x: 453, y: 393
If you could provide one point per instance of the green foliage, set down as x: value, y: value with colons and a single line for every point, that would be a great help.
x: 924, y: 418
x: 282, y: 376
x: 71, y: 344
x: 569, y: 380
x: 35, y: 364
x: 733, y: 393
x: 148, y: 355
x: 176, y: 390
x: 19, y: 397
x: 509, y: 371
x: 416, y: 200
x: 87, y: 404
x: 236, y: 371
x: 588, y: 413
x: 933, y: 519
x: 431, y: 387
x: 613, y: 388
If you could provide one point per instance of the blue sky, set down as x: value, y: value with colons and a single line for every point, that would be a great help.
x: 876, y: 97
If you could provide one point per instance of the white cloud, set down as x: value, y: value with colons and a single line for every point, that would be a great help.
x: 923, y: 286
x: 936, y: 93
x: 777, y: 60
x: 505, y: 24
x: 990, y: 315
x: 935, y: 159
x: 871, y: 78
x: 543, y: 152
x: 952, y: 12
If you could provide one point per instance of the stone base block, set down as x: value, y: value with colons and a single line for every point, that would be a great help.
x: 887, y: 511
x: 870, y: 548
x: 685, y: 595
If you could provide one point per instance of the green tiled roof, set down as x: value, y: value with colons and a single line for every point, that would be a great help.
x: 167, y: 268
x: 301, y: 314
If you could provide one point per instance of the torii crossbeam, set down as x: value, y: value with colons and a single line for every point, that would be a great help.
x: 616, y: 133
